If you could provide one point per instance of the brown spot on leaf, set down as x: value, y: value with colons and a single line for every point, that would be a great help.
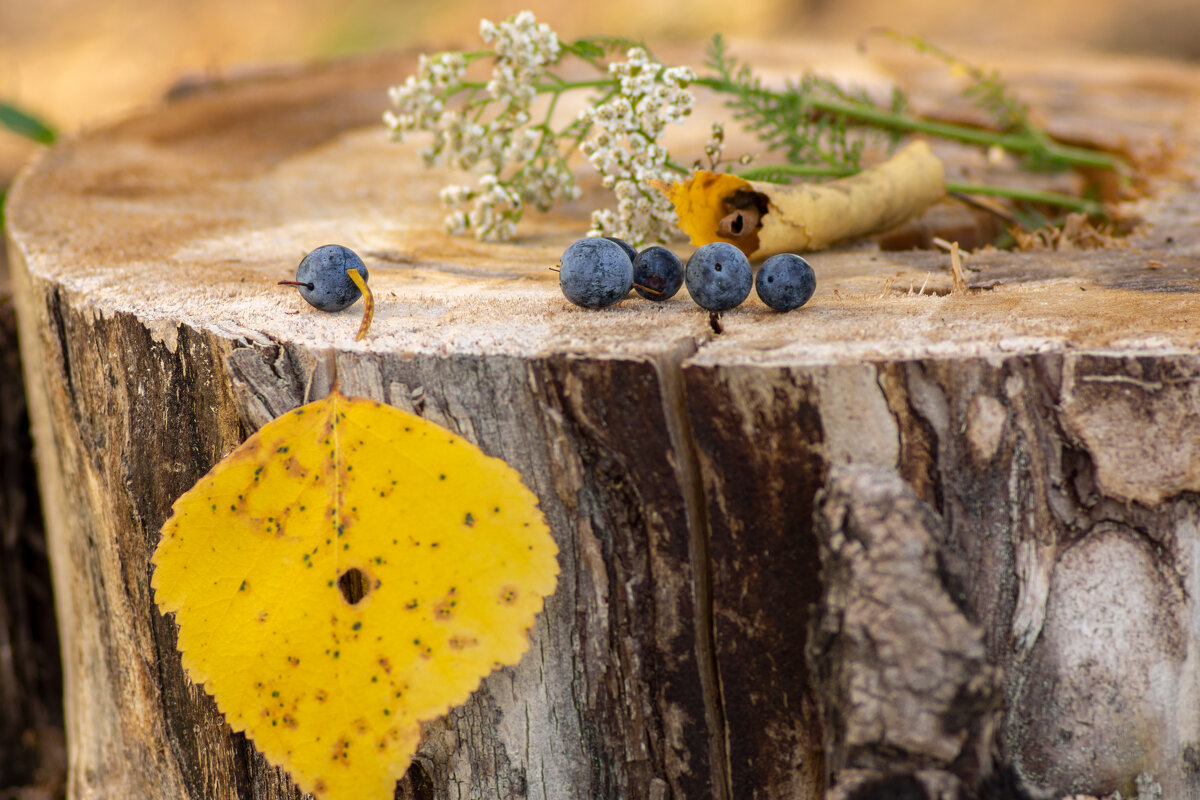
x: 444, y: 608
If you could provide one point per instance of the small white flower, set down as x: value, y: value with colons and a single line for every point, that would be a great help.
x: 456, y: 223
x: 519, y: 164
x: 625, y: 151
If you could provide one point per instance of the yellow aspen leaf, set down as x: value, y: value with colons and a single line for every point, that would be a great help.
x: 808, y: 216
x: 348, y: 572
x: 698, y: 202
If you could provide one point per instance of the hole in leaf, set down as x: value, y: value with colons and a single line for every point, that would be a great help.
x: 353, y: 585
x: 420, y: 781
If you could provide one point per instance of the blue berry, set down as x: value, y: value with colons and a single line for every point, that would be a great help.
x: 718, y: 276
x: 595, y: 273
x: 785, y: 281
x: 322, y: 279
x: 626, y: 246
x: 659, y: 269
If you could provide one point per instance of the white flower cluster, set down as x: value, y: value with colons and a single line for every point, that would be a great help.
x: 495, y: 210
x: 418, y: 104
x: 626, y: 151
x: 465, y: 139
x: 523, y: 47
x: 541, y: 179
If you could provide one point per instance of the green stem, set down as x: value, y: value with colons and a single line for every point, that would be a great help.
x: 585, y: 128
x: 566, y: 86
x: 25, y: 124
x: 1090, y: 207
x: 799, y: 170
x: 546, y: 88
x: 1019, y: 143
x: 862, y: 112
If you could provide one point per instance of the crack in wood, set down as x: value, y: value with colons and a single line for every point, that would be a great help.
x: 683, y: 444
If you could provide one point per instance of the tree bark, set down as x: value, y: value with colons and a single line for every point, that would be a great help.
x: 1038, y: 437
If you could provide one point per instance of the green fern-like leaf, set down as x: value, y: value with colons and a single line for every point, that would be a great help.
x: 791, y: 121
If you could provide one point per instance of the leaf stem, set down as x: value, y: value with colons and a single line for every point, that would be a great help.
x: 1019, y: 143
x: 1089, y: 207
x: 767, y: 173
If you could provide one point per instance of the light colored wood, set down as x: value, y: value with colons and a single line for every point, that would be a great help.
x: 1047, y: 417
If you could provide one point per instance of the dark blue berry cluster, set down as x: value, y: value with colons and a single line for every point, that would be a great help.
x: 595, y: 273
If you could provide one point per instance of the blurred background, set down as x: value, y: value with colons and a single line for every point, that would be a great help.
x: 81, y: 62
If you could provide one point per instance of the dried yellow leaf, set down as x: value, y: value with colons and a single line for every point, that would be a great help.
x: 350, y: 571
x: 809, y: 216
x: 700, y: 203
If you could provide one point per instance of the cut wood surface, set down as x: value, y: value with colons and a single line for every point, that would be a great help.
x: 1039, y: 434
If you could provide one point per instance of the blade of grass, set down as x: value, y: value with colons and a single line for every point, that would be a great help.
x: 25, y: 124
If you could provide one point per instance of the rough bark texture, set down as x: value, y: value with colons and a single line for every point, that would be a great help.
x: 902, y: 675
x: 1033, y: 445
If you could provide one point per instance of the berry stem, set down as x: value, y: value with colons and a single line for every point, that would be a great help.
x: 647, y: 289
x: 308, y: 286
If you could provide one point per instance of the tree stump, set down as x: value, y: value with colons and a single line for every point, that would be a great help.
x: 905, y: 536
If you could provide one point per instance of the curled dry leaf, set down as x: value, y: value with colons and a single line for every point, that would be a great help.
x: 763, y: 219
x: 347, y: 573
